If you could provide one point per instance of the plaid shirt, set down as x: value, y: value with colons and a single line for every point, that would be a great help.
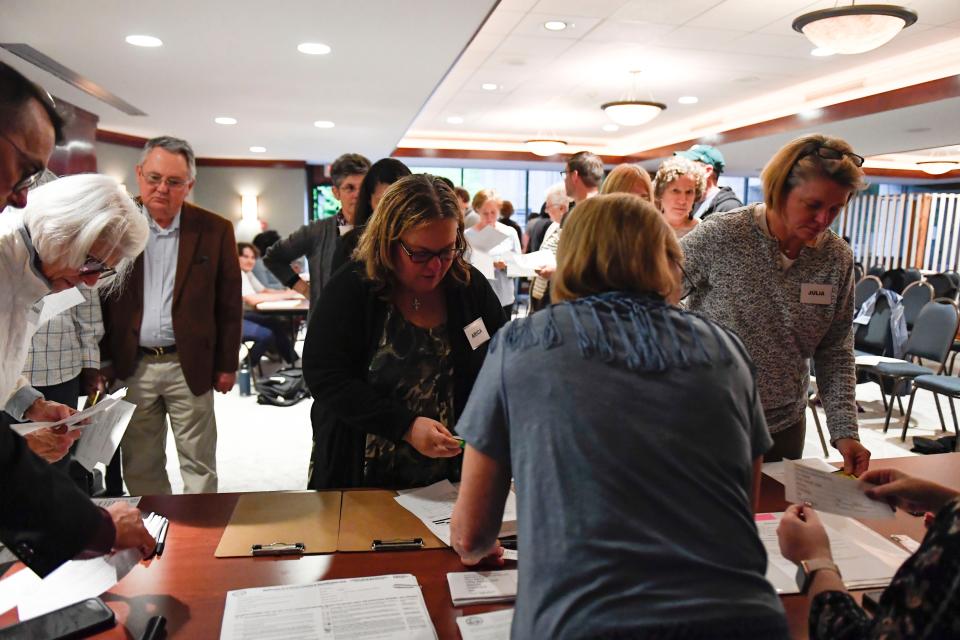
x: 67, y: 343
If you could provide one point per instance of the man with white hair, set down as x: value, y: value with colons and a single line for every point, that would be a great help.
x: 557, y: 205
x: 44, y: 518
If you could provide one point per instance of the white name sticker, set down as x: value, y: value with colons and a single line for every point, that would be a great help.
x: 815, y: 293
x: 476, y: 333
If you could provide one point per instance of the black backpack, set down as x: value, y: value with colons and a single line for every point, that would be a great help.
x: 284, y: 388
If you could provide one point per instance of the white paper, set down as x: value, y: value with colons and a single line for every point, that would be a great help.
x: 525, y: 265
x: 379, y: 607
x: 777, y: 470
x: 106, y: 502
x: 872, y: 361
x: 486, y: 626
x: 482, y: 587
x: 510, y: 554
x: 56, y: 303
x: 279, y: 305
x: 101, y: 438
x: 485, y: 239
x: 72, y: 421
x: 483, y: 261
x: 14, y: 588
x: 831, y: 492
x: 906, y: 542
x: 433, y: 505
x: 866, y: 559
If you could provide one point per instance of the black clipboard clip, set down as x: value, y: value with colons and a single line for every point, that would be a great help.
x: 398, y: 544
x: 279, y: 549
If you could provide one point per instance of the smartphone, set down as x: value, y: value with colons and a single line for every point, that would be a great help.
x: 871, y: 601
x: 76, y: 621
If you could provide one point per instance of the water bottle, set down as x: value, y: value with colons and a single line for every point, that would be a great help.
x: 244, y: 379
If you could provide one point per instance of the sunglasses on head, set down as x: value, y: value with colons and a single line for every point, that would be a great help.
x: 832, y: 153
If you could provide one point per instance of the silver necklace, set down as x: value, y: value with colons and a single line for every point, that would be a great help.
x: 416, y: 303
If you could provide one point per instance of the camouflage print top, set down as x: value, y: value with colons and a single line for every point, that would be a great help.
x: 415, y: 366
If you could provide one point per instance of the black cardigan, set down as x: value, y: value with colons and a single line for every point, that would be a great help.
x: 341, y: 341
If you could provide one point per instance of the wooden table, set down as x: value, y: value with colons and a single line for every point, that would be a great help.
x: 294, y: 315
x: 188, y: 584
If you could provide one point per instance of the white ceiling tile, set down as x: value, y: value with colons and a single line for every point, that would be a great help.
x: 666, y: 12
x: 534, y: 46
x: 501, y: 22
x: 591, y: 8
x: 629, y: 31
x: 577, y: 26
x: 699, y: 39
x: 767, y: 44
x: 934, y: 12
x: 747, y: 15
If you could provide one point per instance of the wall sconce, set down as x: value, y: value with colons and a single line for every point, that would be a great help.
x: 249, y: 209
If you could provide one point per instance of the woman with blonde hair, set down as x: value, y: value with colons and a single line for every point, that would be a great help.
x: 487, y: 205
x: 607, y: 415
x: 395, y: 344
x: 629, y: 178
x: 678, y: 185
x: 776, y: 274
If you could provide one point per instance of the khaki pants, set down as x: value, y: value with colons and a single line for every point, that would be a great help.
x: 158, y: 388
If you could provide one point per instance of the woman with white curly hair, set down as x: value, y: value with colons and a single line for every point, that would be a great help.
x: 679, y: 184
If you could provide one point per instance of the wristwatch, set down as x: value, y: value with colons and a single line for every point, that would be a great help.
x: 807, y: 568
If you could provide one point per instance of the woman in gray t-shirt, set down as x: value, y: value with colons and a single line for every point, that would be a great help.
x: 634, y: 433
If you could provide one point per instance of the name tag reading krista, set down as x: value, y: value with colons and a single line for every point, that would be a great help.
x: 476, y: 333
x: 816, y: 293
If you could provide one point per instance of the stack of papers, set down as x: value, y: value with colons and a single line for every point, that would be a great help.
x: 872, y: 361
x: 777, y: 470
x: 487, y: 626
x: 379, y: 607
x: 433, y: 506
x: 866, y: 559
x: 482, y: 587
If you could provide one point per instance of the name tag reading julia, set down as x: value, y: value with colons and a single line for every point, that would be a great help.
x: 476, y: 333
x: 815, y: 293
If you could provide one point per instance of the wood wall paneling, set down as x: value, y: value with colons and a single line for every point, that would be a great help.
x: 76, y: 154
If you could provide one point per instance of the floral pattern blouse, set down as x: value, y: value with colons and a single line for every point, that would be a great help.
x: 923, y: 601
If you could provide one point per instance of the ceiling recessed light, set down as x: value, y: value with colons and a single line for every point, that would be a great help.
x: 323, y: 124
x: 611, y: 127
x: 554, y: 25
x: 313, y: 48
x: 489, y: 86
x: 821, y: 52
x: 688, y: 99
x: 258, y: 149
x: 225, y: 120
x: 454, y: 120
x: 144, y: 41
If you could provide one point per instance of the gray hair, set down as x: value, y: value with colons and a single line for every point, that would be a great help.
x: 67, y: 217
x: 556, y: 194
x: 676, y: 167
x: 173, y: 145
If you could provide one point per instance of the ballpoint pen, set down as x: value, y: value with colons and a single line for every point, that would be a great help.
x: 162, y: 537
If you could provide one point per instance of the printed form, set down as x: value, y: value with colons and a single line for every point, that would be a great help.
x: 380, y: 607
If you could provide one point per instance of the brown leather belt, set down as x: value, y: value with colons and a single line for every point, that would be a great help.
x: 158, y: 351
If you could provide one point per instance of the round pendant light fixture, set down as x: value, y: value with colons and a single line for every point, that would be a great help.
x: 632, y: 113
x: 546, y: 147
x: 856, y: 28
x: 937, y: 167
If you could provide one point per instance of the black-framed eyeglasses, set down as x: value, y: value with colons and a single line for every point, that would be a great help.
x: 422, y: 256
x: 93, y: 266
x: 31, y: 176
x: 155, y: 180
x: 827, y: 152
x: 687, y: 288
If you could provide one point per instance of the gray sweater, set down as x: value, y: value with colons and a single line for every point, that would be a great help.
x: 741, y: 283
x: 317, y: 241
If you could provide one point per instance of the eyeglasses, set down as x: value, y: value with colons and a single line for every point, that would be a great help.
x: 155, y: 180
x: 831, y: 153
x: 687, y: 288
x: 93, y: 266
x: 422, y: 256
x: 31, y: 176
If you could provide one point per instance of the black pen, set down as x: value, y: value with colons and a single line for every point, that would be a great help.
x: 162, y: 536
x: 155, y: 628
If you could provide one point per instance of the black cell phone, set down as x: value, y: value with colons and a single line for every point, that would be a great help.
x: 871, y: 601
x: 76, y: 621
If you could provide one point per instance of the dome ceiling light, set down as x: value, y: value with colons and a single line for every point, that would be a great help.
x: 546, y: 147
x: 856, y: 28
x: 630, y: 112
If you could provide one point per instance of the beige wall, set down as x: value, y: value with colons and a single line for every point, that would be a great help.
x: 282, y: 193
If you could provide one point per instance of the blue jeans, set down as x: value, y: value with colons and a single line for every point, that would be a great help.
x: 267, y: 332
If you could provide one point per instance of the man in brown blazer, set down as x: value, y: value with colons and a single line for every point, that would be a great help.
x: 173, y: 333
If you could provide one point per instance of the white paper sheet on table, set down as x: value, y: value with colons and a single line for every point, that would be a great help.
x: 433, y: 505
x: 56, y: 303
x: 71, y: 421
x: 866, y: 559
x: 279, y: 305
x: 101, y: 438
x: 831, y: 492
x: 78, y: 580
x: 482, y: 587
x: 777, y: 470
x: 872, y: 361
x: 379, y: 607
x: 483, y: 261
x: 494, y: 625
x: 486, y: 239
x: 17, y: 586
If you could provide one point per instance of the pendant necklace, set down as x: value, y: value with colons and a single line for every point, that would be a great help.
x: 416, y: 303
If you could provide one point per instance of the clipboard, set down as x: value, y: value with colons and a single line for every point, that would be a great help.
x: 366, y: 516
x: 308, y: 517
